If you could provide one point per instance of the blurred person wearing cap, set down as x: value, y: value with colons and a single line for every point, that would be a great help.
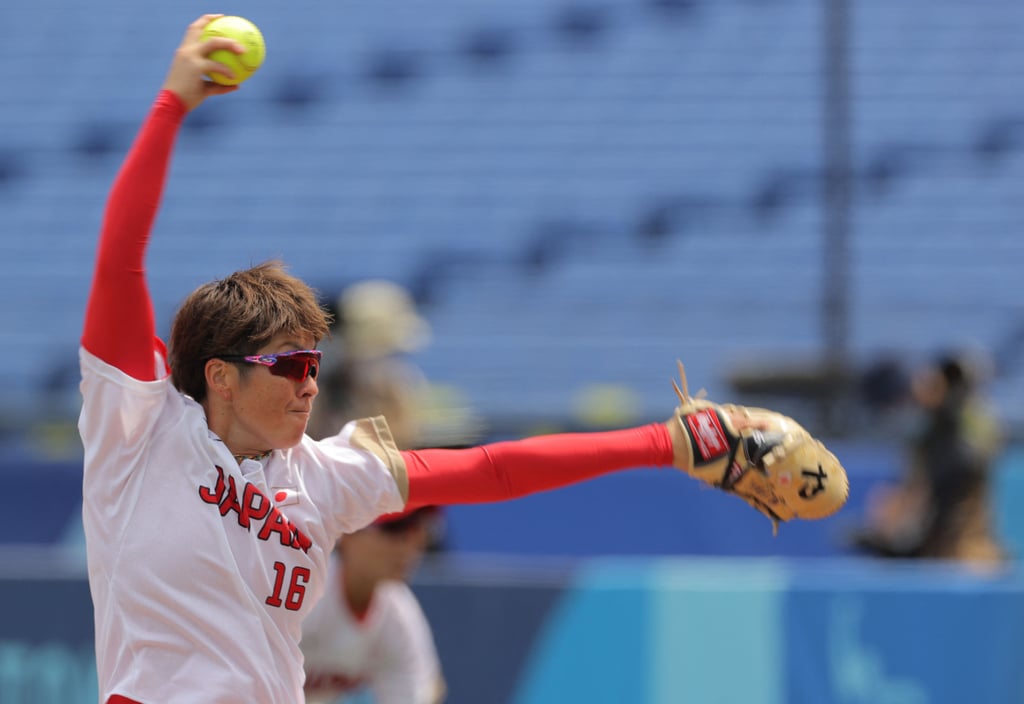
x: 368, y: 633
x: 377, y: 327
x: 942, y: 507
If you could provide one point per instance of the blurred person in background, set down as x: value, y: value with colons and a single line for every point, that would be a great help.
x: 368, y: 370
x: 942, y: 507
x: 370, y: 374
x: 369, y: 633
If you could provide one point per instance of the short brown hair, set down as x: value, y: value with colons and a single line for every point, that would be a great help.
x: 238, y: 315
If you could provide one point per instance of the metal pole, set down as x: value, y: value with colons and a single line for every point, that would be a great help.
x: 836, y: 203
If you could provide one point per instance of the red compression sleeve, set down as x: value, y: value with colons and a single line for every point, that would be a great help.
x: 507, y: 470
x: 120, y: 326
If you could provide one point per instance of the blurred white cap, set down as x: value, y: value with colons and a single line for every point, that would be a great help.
x: 380, y: 318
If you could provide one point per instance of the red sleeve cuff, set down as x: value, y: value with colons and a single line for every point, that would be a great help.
x: 171, y: 104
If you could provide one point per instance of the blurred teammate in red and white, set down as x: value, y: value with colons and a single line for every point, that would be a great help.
x: 369, y: 632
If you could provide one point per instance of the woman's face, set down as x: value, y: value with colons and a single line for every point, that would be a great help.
x: 266, y: 410
x: 378, y: 553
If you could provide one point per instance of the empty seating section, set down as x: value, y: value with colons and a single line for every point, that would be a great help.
x: 584, y: 190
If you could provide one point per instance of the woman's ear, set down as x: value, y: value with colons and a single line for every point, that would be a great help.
x: 220, y: 377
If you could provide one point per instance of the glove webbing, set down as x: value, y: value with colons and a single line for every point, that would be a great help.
x: 755, y: 449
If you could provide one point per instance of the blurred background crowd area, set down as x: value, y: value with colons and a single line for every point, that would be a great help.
x: 805, y: 201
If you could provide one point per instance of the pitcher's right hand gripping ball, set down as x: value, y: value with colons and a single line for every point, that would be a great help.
x: 764, y: 457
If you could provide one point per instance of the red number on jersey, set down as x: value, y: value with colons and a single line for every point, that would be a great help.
x: 296, y: 587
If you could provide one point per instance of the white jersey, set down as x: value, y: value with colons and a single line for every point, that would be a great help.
x: 390, y: 651
x: 202, y: 570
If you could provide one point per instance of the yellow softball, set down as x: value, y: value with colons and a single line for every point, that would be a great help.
x: 248, y: 35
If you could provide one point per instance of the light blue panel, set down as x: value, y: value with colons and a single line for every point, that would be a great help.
x: 594, y: 648
x: 904, y: 633
x: 1009, y: 497
x: 708, y: 617
x: 46, y: 673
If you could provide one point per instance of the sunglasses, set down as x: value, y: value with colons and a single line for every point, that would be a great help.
x: 295, y: 365
x: 426, y: 516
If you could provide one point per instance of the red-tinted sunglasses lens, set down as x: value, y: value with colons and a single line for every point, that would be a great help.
x: 402, y: 525
x: 426, y: 516
x: 296, y: 366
